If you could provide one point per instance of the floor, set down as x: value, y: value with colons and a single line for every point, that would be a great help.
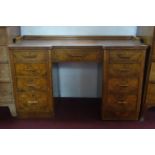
x: 75, y: 114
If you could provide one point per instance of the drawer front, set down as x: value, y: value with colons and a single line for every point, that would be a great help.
x: 121, y: 102
x: 124, y: 70
x: 121, y: 85
x: 31, y: 69
x: 31, y: 84
x: 125, y: 56
x: 120, y: 115
x: 151, y: 94
x: 4, y: 72
x: 32, y: 101
x: 3, y: 36
x: 82, y: 54
x: 3, y: 54
x: 6, y: 94
x: 152, y: 72
x: 30, y: 56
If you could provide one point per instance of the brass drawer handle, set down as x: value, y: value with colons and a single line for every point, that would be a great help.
x: 124, y: 56
x: 124, y: 70
x: 124, y: 85
x: 32, y: 102
x: 29, y: 70
x: 31, y: 85
x: 76, y: 55
x: 122, y: 102
x: 30, y: 56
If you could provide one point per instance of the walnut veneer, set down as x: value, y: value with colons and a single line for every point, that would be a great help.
x: 122, y: 58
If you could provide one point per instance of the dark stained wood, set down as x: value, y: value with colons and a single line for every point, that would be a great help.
x: 45, y: 37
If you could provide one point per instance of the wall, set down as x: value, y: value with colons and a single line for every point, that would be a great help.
x: 78, y: 30
x: 78, y: 79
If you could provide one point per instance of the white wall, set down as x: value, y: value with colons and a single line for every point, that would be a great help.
x: 78, y: 79
x: 78, y: 30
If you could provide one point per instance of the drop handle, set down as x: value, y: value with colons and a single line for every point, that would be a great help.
x: 124, y: 85
x: 124, y: 70
x: 30, y: 56
x: 76, y: 55
x: 33, y: 102
x: 124, y: 56
x: 31, y: 85
x: 122, y: 102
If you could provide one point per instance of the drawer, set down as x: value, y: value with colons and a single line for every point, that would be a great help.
x: 124, y: 70
x: 152, y: 72
x: 151, y: 94
x: 32, y: 101
x: 3, y: 54
x: 4, y: 72
x: 120, y: 115
x: 31, y: 84
x: 123, y: 85
x: 32, y: 56
x: 121, y: 102
x: 3, y: 36
x: 31, y: 69
x: 6, y: 94
x: 74, y: 54
x: 125, y: 56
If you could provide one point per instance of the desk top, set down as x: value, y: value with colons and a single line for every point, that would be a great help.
x: 104, y: 43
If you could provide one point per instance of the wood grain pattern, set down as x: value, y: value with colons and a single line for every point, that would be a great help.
x: 32, y: 101
x: 61, y: 37
x: 76, y: 54
x: 31, y: 69
x: 32, y: 84
x: 150, y: 100
x: 30, y: 56
x: 124, y: 70
x: 152, y: 72
x: 124, y: 85
x: 119, y: 103
x: 125, y: 56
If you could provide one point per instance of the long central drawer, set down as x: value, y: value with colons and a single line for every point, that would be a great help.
x: 76, y: 54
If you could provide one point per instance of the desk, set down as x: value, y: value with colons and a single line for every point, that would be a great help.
x: 122, y: 58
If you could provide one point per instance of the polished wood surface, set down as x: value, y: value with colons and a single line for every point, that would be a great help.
x: 122, y: 72
x: 125, y: 56
x: 74, y: 54
x: 123, y: 62
x: 30, y: 56
x: 31, y: 70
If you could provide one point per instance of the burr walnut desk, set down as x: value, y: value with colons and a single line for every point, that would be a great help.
x: 123, y: 62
